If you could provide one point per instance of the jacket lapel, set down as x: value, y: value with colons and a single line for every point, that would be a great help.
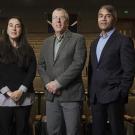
x: 65, y: 41
x: 108, y: 44
x: 51, y: 50
x: 93, y: 51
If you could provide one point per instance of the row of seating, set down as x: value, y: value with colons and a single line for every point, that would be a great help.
x: 38, y: 115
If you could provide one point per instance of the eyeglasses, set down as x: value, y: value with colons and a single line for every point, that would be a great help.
x: 58, y: 18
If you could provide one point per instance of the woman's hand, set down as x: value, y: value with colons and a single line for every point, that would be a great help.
x: 16, y: 95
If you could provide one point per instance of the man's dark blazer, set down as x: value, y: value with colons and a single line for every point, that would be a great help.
x: 66, y: 68
x: 111, y: 78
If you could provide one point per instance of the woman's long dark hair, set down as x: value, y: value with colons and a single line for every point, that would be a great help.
x: 20, y: 55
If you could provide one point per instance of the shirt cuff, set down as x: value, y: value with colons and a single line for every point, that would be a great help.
x: 23, y: 88
x: 58, y: 84
x: 4, y: 90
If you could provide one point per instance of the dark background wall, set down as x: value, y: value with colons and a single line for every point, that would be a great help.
x: 35, y: 13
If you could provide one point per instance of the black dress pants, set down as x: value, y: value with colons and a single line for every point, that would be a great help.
x: 14, y: 117
x: 112, y: 112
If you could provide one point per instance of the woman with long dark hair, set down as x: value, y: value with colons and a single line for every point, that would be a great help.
x: 17, y: 72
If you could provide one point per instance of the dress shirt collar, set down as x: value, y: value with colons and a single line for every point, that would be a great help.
x: 59, y: 38
x: 107, y: 34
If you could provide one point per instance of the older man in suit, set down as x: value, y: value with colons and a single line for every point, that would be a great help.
x: 61, y: 63
x: 111, y: 73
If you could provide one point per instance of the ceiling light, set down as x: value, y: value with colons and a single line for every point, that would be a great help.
x: 126, y: 12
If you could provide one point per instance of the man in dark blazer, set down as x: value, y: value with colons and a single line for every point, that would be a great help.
x: 111, y: 73
x: 61, y: 63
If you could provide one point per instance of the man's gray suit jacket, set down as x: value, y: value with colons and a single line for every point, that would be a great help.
x: 66, y: 68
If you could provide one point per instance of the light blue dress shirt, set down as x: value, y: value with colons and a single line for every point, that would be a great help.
x: 102, y: 42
